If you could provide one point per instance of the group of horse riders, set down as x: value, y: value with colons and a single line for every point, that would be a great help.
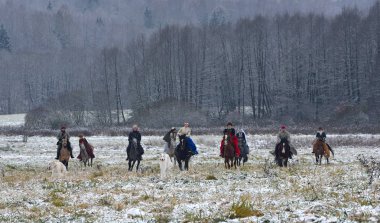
x: 238, y: 140
x: 63, y: 135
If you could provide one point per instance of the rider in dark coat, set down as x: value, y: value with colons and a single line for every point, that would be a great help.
x: 167, y: 137
x: 243, y: 145
x: 321, y: 135
x: 135, y: 134
x: 63, y: 134
x: 170, y: 137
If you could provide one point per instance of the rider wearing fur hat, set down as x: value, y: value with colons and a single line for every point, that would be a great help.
x: 62, y: 135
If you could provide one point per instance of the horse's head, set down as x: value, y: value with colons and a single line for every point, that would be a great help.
x: 226, y: 139
x: 173, y: 136
x: 182, y: 137
x: 134, y: 141
x: 64, y: 142
x: 162, y: 157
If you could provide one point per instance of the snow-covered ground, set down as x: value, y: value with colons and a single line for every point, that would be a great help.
x: 12, y: 120
x: 304, y: 192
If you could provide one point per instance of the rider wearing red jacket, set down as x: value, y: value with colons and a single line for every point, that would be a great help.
x: 231, y: 132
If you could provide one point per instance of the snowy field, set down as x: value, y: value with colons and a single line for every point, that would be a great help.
x: 12, y: 120
x: 257, y: 192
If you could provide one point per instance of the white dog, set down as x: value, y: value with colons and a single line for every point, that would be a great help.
x: 165, y: 165
x: 58, y: 170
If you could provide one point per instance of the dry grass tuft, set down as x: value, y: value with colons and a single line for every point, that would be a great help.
x: 107, y: 200
x: 211, y: 177
x: 244, y: 208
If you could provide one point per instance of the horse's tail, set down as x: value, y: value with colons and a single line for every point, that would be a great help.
x: 245, y: 158
x: 332, y: 151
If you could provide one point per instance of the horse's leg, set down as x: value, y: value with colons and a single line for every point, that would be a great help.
x: 327, y: 160
x: 137, y: 166
x: 286, y: 162
x: 180, y: 164
x: 129, y: 165
x: 187, y: 164
x: 133, y: 164
x: 91, y: 162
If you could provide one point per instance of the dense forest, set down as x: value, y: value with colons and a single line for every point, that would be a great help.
x: 224, y: 60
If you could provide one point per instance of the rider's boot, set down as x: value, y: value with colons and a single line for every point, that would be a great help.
x: 58, y: 152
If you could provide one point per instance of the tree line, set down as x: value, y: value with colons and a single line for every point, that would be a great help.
x: 299, y: 67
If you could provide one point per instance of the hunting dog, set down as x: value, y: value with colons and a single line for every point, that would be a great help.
x: 58, y: 170
x: 165, y: 165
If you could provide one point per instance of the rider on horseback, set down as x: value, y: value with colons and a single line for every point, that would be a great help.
x: 242, y: 143
x: 89, y: 148
x: 283, y: 136
x: 185, y: 130
x: 321, y: 136
x: 229, y: 131
x: 184, y: 134
x: 169, y: 136
x: 135, y: 135
x: 63, y: 134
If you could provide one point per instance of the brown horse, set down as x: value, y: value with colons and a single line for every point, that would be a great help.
x: 319, y: 152
x: 183, y: 153
x: 229, y: 153
x: 64, y: 155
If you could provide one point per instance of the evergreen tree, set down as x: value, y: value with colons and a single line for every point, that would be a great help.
x: 50, y: 6
x: 148, y: 18
x: 218, y: 17
x: 4, y: 39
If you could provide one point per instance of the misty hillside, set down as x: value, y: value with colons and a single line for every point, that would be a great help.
x: 242, y: 60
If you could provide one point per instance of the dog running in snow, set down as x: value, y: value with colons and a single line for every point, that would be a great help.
x: 165, y: 165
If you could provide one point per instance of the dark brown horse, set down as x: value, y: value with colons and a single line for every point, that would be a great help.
x: 319, y: 152
x: 282, y: 153
x: 183, y: 152
x: 64, y: 155
x: 229, y: 153
x: 134, y: 156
